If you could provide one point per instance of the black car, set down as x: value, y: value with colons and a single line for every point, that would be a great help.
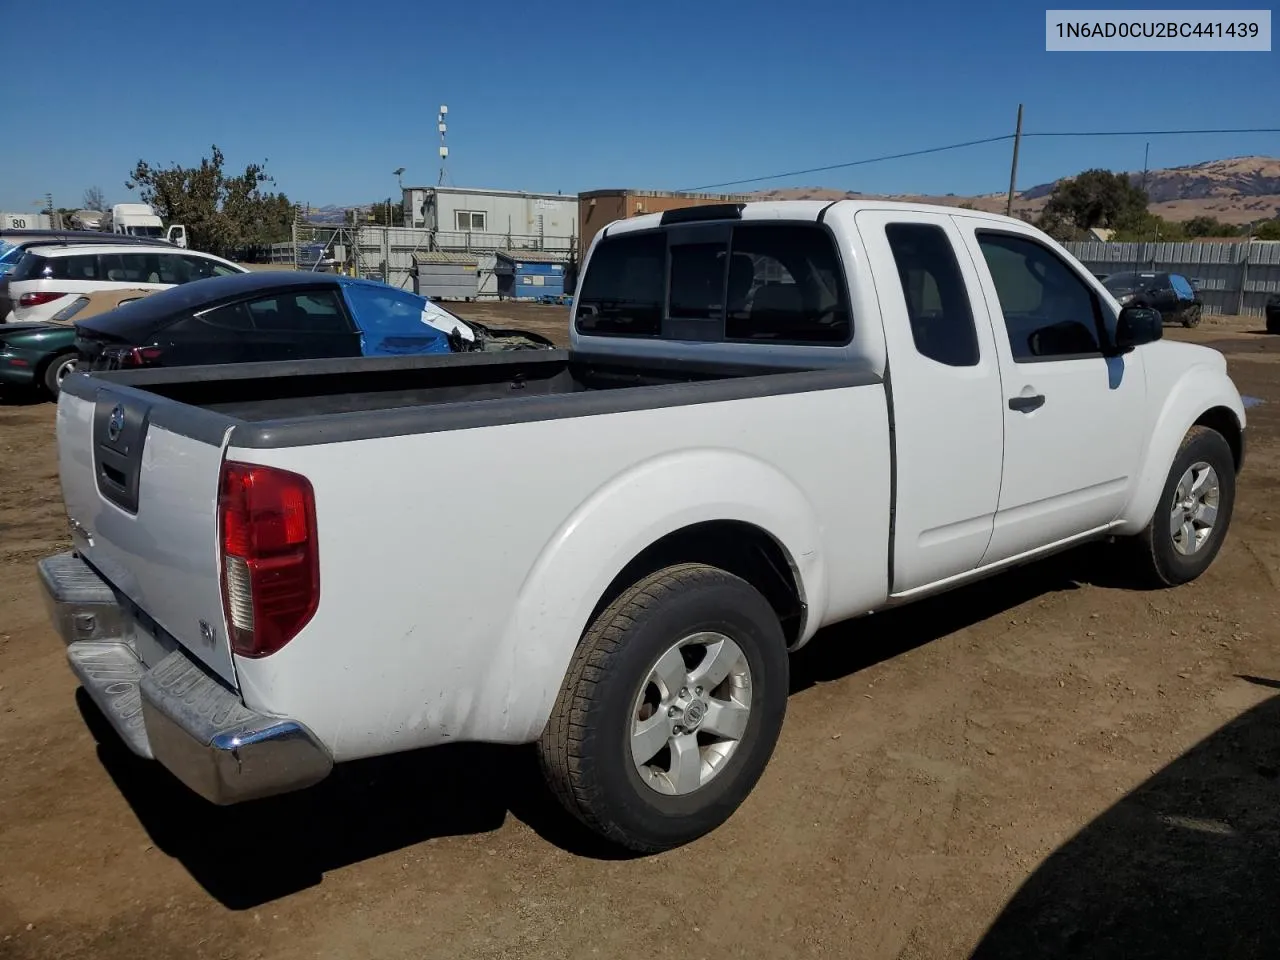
x: 1273, y: 313
x: 1170, y: 293
x: 280, y: 315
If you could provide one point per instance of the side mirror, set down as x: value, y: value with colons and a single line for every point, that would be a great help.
x: 1136, y: 326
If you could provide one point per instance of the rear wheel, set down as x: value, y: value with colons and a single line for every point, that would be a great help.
x: 1193, y: 513
x: 670, y: 710
x: 1273, y: 322
x: 57, y: 370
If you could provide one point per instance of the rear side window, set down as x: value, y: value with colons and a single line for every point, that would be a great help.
x: 234, y: 316
x: 202, y: 267
x: 316, y: 311
x: 937, y: 299
x: 624, y: 291
x: 765, y: 281
x: 35, y: 267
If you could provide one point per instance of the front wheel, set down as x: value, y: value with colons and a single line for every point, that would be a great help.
x: 57, y: 371
x: 1191, y: 316
x: 1193, y: 512
x: 670, y: 710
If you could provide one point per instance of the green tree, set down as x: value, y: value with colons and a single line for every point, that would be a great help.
x: 1208, y: 227
x: 387, y: 213
x: 1148, y: 227
x: 1270, y: 230
x: 1057, y: 226
x: 223, y: 214
x: 1095, y: 198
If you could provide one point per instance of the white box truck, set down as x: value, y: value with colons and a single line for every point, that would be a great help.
x: 140, y: 220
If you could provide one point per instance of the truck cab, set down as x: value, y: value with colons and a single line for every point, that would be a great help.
x: 1010, y: 371
x: 140, y: 220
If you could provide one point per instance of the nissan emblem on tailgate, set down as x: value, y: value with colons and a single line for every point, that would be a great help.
x: 116, y: 424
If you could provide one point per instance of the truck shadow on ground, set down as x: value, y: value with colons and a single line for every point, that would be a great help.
x: 846, y: 648
x: 372, y: 807
x: 1184, y: 866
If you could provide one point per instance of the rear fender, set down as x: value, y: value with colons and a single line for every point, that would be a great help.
x: 609, y: 530
x: 1200, y: 389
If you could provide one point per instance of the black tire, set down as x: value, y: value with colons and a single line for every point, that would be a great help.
x: 53, y: 373
x: 585, y: 750
x: 1273, y: 322
x: 1160, y: 561
x: 1191, y: 316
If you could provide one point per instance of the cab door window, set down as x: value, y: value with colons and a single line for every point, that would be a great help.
x: 1049, y: 311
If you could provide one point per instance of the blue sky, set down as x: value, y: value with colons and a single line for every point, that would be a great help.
x: 575, y: 96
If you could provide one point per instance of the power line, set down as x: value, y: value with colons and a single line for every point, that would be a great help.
x: 854, y: 163
x: 974, y: 143
x: 1145, y: 133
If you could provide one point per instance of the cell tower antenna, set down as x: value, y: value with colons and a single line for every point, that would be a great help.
x: 444, y: 149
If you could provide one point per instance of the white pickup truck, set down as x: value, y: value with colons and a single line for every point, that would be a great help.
x: 773, y: 416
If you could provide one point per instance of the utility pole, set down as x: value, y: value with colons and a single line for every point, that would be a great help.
x: 53, y: 215
x: 1146, y: 157
x: 1013, y: 170
x: 444, y: 149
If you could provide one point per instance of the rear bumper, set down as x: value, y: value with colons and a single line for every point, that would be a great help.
x: 173, y: 710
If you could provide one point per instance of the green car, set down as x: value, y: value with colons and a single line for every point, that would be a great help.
x: 36, y: 355
x: 39, y: 355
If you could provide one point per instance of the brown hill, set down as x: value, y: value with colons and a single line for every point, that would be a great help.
x: 1236, y: 190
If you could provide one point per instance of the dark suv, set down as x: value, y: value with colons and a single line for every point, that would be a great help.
x: 1170, y: 293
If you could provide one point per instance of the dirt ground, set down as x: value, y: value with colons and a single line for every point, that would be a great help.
x: 1048, y: 764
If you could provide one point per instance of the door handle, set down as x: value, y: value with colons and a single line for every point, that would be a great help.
x: 1026, y: 404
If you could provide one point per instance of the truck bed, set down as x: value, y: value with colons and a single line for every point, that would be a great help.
x: 316, y: 401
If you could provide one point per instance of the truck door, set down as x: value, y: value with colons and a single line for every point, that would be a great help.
x: 944, y: 381
x: 1072, y: 416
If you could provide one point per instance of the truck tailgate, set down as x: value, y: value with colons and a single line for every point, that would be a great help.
x: 142, y: 504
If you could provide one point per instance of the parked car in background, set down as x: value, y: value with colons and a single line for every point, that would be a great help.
x: 88, y: 305
x: 47, y: 278
x: 14, y: 243
x: 281, y: 315
x: 280, y: 567
x: 1273, y: 313
x: 262, y: 316
x: 1170, y: 293
x: 41, y: 355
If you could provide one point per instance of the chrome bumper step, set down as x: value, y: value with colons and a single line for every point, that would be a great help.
x: 110, y: 674
x: 175, y: 711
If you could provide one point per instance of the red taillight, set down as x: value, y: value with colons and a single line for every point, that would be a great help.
x: 270, y: 558
x: 38, y: 299
x: 133, y: 356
